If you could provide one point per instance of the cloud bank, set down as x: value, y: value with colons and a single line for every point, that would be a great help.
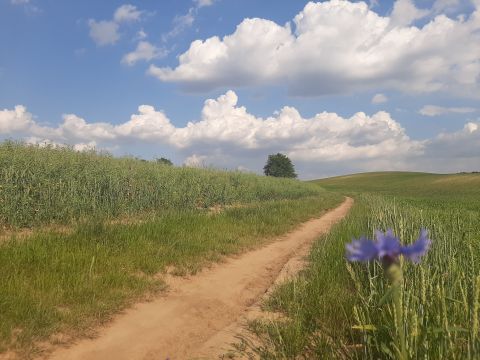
x: 434, y: 110
x: 337, y: 47
x: 227, y: 135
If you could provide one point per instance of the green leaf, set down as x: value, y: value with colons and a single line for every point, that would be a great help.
x: 369, y: 327
x: 387, y: 296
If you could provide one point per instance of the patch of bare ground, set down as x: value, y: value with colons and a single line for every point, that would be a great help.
x: 24, y: 233
x: 21, y: 234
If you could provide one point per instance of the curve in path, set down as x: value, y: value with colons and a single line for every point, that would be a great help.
x: 196, y: 317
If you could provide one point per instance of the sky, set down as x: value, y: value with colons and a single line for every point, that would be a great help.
x: 338, y: 86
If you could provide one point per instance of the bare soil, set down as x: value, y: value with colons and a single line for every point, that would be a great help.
x: 199, y: 316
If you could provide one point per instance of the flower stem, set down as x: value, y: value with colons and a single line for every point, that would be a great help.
x: 396, y: 277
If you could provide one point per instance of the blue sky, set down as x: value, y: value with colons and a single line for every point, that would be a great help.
x: 381, y: 85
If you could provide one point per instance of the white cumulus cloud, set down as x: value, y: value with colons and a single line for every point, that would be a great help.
x: 203, y: 3
x: 338, y: 46
x: 106, y: 32
x: 196, y: 161
x: 440, y: 6
x: 379, y: 99
x: 15, y: 120
x: 405, y: 12
x: 144, y: 51
x: 127, y: 13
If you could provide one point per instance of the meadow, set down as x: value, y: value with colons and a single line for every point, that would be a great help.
x: 87, y: 234
x: 84, y: 235
x: 339, y: 310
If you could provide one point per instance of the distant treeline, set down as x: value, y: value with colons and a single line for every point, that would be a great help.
x: 43, y: 185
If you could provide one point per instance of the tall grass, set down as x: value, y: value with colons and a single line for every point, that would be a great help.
x: 52, y: 185
x: 337, y: 310
x: 441, y: 298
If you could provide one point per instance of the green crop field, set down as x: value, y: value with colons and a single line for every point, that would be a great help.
x: 338, y: 309
x: 456, y: 191
x: 86, y: 234
x: 41, y: 186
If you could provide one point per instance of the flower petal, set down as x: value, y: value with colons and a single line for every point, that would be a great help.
x: 362, y: 249
x: 418, y: 249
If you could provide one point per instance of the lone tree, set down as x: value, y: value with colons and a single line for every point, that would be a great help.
x: 279, y: 165
x: 164, y: 161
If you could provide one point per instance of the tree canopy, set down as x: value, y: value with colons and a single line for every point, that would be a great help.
x: 164, y: 161
x: 279, y: 165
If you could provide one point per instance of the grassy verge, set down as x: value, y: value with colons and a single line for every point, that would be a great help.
x: 335, y: 309
x: 68, y: 282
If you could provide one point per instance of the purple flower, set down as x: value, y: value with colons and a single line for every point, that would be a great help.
x: 387, y: 248
x: 388, y: 245
x: 419, y: 248
x: 362, y: 249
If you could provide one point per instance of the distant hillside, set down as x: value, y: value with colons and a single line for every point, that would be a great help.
x: 449, y: 188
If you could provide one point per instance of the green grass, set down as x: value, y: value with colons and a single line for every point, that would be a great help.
x: 449, y: 191
x: 127, y: 222
x: 335, y: 309
x: 42, y: 186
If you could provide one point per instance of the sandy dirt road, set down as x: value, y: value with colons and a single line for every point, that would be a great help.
x: 198, y: 316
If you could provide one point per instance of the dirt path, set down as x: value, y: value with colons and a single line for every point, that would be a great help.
x: 199, y: 315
